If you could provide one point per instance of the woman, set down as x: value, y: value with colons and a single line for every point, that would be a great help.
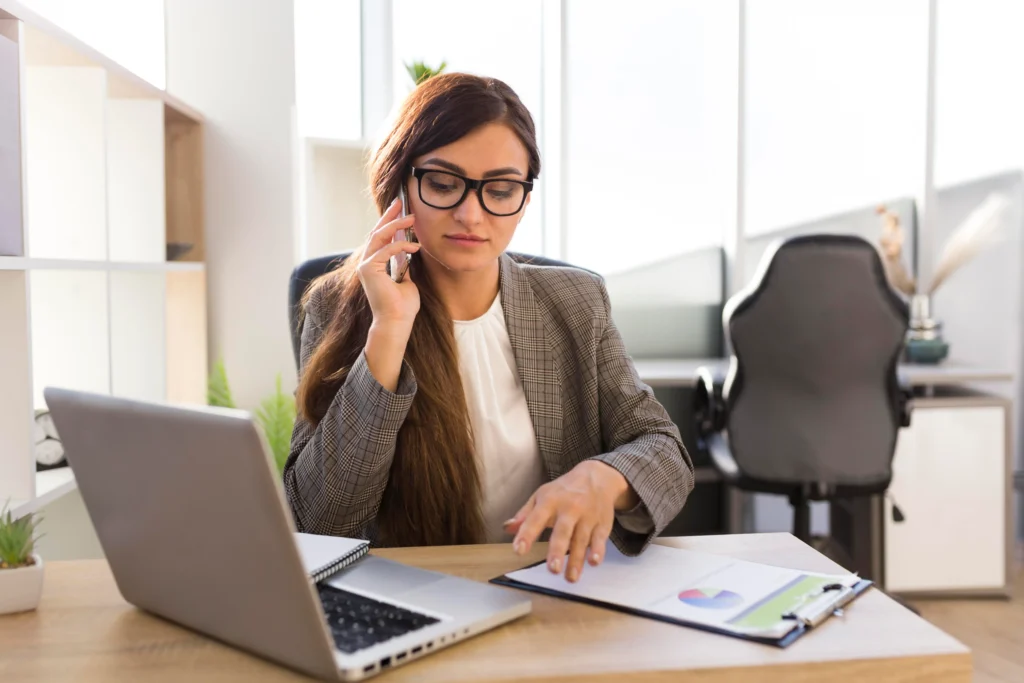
x: 477, y: 399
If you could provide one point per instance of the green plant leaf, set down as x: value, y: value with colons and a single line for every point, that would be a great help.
x: 218, y: 391
x: 419, y: 71
x: 276, y: 415
x: 17, y: 538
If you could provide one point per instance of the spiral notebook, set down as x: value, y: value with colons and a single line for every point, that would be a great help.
x: 322, y: 556
x: 749, y: 600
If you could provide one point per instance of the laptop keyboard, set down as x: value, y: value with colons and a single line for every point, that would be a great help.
x: 357, y: 622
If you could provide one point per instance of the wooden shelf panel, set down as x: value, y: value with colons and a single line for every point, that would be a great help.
x: 16, y: 467
x: 187, y: 361
x: 11, y: 235
x: 137, y: 335
x: 66, y: 162
x: 135, y: 180
x: 70, y: 331
x: 183, y: 154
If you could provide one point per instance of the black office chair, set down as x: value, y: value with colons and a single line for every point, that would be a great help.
x: 811, y: 405
x: 304, y: 274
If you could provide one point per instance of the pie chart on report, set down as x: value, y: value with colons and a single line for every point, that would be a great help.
x: 710, y: 598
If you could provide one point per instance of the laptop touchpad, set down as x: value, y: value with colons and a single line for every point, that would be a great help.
x: 384, y: 578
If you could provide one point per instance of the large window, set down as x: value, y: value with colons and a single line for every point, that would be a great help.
x: 328, y: 69
x: 650, y: 130
x: 495, y: 39
x: 979, y: 112
x: 835, y: 106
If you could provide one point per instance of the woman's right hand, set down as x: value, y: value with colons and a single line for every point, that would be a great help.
x: 394, y: 304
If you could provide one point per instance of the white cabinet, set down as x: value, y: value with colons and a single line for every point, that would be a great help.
x: 951, y: 481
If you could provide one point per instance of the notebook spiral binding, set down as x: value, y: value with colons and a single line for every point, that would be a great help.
x: 329, y: 570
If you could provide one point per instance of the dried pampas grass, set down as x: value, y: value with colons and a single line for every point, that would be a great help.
x: 979, y: 230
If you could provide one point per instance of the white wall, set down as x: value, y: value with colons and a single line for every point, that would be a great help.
x: 234, y: 62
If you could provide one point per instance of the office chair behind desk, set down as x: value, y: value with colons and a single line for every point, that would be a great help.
x: 811, y: 405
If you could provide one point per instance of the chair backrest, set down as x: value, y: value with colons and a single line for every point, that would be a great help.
x: 813, y: 391
x: 305, y: 273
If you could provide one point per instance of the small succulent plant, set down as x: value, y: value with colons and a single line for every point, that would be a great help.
x: 17, y: 539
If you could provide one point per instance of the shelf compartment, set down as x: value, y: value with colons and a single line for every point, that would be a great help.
x: 183, y: 158
x: 46, y: 44
x: 187, y: 356
x: 339, y: 211
x: 135, y: 180
x: 16, y: 464
x: 11, y: 233
x: 70, y: 331
x: 137, y: 335
x: 66, y: 162
x: 50, y: 486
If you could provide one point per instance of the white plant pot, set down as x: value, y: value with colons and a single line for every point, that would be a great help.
x: 21, y: 588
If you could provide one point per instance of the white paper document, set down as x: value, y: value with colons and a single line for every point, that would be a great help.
x: 713, y: 590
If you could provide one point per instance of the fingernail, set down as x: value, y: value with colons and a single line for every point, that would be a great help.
x: 518, y: 547
x: 556, y: 565
x: 595, y: 558
x: 573, y: 574
x: 508, y: 521
x: 394, y: 202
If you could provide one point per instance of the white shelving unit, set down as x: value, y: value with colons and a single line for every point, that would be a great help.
x: 339, y: 211
x: 100, y: 188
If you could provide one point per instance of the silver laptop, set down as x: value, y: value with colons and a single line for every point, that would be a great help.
x: 191, y: 516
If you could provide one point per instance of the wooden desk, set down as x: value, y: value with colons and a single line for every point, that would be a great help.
x: 83, y: 631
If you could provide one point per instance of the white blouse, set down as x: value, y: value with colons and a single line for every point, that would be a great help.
x: 506, y: 446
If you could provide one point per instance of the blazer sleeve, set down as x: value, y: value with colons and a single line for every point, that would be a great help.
x: 643, y: 444
x: 336, y: 472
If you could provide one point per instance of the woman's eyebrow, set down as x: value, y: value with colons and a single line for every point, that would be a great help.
x: 455, y: 168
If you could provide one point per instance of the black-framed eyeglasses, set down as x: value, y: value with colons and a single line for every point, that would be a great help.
x: 446, y: 190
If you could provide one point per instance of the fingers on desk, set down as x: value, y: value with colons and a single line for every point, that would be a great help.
x: 539, y: 517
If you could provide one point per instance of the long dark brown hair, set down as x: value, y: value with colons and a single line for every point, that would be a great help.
x: 433, y: 491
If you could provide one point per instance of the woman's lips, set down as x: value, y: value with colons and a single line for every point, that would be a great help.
x: 466, y: 240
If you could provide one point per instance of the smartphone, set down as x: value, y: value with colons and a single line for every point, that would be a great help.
x: 400, y: 262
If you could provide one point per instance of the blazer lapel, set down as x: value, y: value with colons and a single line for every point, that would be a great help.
x: 535, y: 361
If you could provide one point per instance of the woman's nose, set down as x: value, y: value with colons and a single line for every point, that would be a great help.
x: 469, y: 212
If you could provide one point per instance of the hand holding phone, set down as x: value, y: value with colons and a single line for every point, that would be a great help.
x: 391, y: 303
x: 400, y: 262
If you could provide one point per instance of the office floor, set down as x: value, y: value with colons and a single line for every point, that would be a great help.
x: 993, y: 629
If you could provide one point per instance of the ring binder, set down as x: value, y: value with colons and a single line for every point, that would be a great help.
x: 747, y: 600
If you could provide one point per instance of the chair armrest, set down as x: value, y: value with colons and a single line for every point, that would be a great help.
x: 708, y: 407
x: 721, y: 456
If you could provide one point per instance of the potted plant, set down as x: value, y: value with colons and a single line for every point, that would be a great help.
x: 21, y: 568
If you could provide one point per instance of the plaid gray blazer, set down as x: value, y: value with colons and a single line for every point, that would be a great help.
x: 583, y: 393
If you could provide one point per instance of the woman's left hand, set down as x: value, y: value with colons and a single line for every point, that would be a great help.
x: 580, y: 507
